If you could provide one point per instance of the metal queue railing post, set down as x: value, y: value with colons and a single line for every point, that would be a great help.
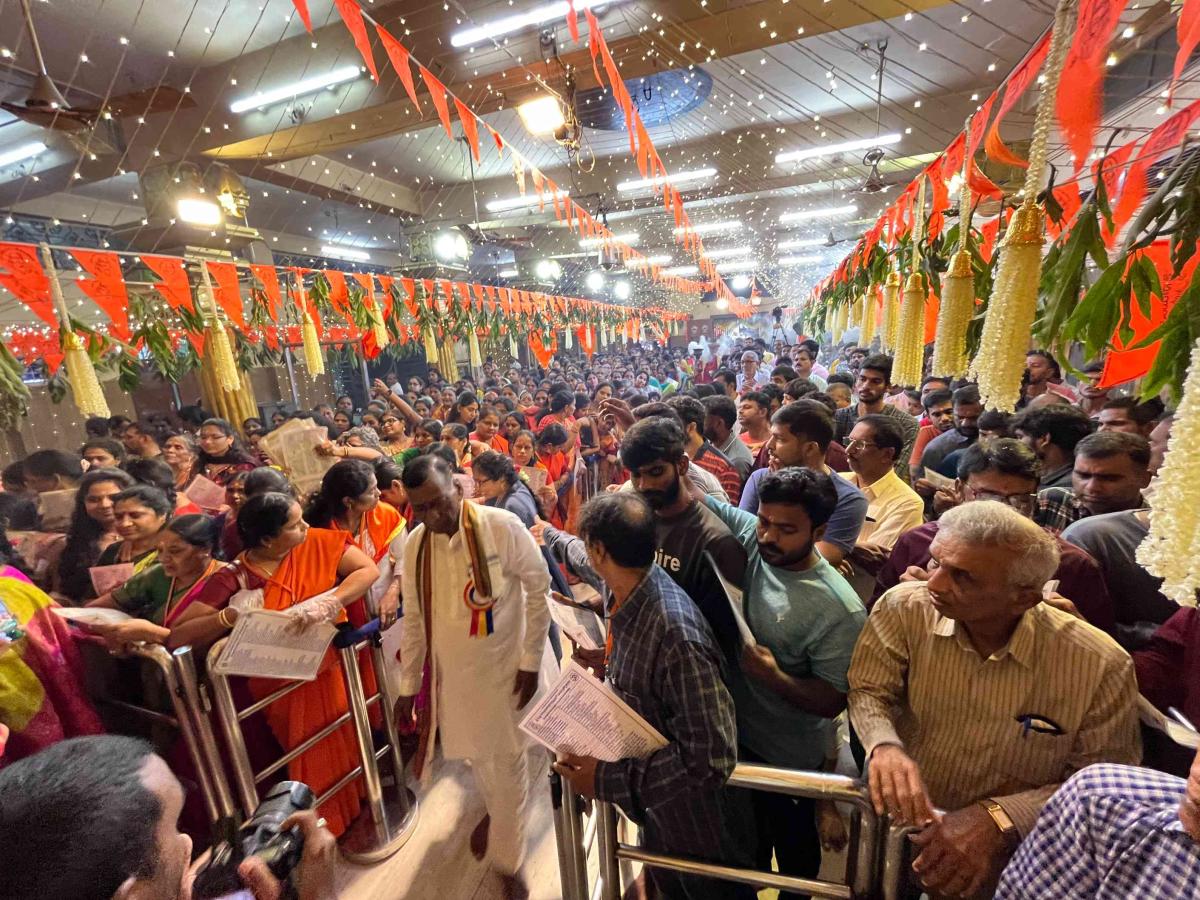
x: 392, y: 818
x: 875, y: 859
x: 178, y: 672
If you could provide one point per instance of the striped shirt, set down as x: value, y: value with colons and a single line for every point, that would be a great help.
x: 1059, y: 696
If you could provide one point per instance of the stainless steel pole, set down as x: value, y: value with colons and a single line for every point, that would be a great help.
x: 366, y: 746
x: 227, y: 714
x: 606, y: 848
x: 210, y: 757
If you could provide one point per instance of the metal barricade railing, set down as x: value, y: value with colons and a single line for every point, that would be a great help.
x: 392, y: 816
x: 178, y: 671
x: 875, y: 856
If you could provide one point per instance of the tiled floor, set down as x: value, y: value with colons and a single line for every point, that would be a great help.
x: 436, y: 863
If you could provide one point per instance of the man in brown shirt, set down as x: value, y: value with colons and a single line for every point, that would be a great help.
x: 974, y: 699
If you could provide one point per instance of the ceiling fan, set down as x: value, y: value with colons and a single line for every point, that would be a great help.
x: 46, y: 107
x: 874, y: 182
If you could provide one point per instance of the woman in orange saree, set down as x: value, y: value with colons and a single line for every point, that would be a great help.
x: 312, y: 574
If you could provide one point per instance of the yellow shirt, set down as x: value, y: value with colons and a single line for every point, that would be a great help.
x: 1059, y: 696
x: 892, y: 509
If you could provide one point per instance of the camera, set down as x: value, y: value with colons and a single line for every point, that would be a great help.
x: 261, y: 836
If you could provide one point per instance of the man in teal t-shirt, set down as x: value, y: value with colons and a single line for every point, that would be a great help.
x: 791, y: 683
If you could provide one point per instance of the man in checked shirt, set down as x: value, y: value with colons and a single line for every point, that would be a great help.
x: 975, y: 700
x: 665, y: 663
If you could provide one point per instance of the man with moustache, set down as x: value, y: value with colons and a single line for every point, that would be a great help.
x: 791, y: 682
x: 653, y: 452
x: 872, y: 387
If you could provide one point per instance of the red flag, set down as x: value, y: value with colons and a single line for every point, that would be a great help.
x: 496, y: 136
x: 572, y: 21
x: 1022, y: 75
x: 398, y: 54
x: 22, y: 273
x: 1078, y: 103
x: 302, y: 9
x: 940, y: 196
x: 1166, y: 136
x: 385, y: 286
x: 106, y: 287
x: 366, y: 281
x: 409, y: 286
x: 225, y: 291
x: 339, y: 296
x: 174, y: 286
x: 270, y: 282
x: 353, y: 17
x: 437, y: 93
x: 593, y: 43
x: 1188, y: 37
x: 470, y: 128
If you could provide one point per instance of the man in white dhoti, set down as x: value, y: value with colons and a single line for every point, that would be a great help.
x: 475, y: 590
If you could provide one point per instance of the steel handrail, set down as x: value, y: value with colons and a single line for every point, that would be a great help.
x: 863, y: 866
x: 385, y: 839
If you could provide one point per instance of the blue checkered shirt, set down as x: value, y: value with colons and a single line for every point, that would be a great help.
x: 1110, y: 833
x: 665, y: 663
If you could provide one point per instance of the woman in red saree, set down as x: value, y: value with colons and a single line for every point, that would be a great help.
x: 311, y: 573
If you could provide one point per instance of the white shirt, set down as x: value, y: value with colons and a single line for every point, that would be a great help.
x: 473, y: 675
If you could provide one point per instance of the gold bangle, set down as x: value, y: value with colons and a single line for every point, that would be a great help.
x: 223, y: 618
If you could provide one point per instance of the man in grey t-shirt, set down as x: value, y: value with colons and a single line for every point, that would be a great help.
x: 1112, y: 539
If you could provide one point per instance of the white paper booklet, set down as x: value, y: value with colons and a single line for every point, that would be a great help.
x: 581, y: 715
x: 267, y: 644
x: 1150, y: 715
x: 733, y: 593
x: 579, y: 625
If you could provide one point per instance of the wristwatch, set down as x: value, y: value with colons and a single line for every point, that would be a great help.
x: 1002, y: 819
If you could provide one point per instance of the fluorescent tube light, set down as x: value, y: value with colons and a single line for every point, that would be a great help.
x: 792, y: 156
x: 518, y: 21
x: 339, y: 252
x: 629, y: 237
x: 682, y: 270
x: 198, y: 212
x: 797, y: 243
x: 677, y: 179
x: 714, y: 227
x: 20, y: 152
x: 660, y: 259
x: 507, y: 273
x: 311, y: 85
x: 797, y: 260
x: 522, y: 202
x: 738, y: 265
x: 726, y: 252
x: 804, y: 215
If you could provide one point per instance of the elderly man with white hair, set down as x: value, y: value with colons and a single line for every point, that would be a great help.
x: 975, y: 700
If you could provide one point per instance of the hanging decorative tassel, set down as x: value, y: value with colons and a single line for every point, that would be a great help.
x: 868, y: 317
x: 216, y: 339
x: 473, y: 348
x: 958, y: 293
x: 81, y: 374
x: 378, y: 329
x: 1171, y: 550
x: 603, y: 335
x: 856, y: 308
x: 1008, y: 323
x: 841, y: 317
x: 891, y: 312
x: 568, y: 338
x: 908, y: 363
x: 512, y: 345
x: 314, y: 360
x: 431, y: 347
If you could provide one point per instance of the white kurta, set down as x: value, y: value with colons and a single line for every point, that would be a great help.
x: 474, y: 707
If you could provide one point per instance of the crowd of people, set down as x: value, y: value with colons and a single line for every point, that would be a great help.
x: 943, y: 597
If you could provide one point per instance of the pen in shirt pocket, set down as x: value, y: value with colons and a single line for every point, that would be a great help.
x: 1039, y: 724
x: 1182, y: 719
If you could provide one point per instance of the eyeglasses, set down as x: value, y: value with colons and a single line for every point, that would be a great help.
x: 1020, y: 502
x: 856, y: 444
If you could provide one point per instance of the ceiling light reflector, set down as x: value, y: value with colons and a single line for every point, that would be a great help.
x: 338, y: 76
x: 727, y: 252
x: 23, y: 151
x: 518, y: 21
x: 738, y: 265
x: 682, y: 270
x: 804, y: 215
x: 522, y: 202
x: 629, y: 237
x: 714, y: 227
x: 542, y: 115
x: 793, y: 156
x: 198, y: 212
x: 339, y: 252
x: 677, y: 179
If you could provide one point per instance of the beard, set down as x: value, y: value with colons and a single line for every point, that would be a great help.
x: 774, y: 555
x: 665, y: 498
